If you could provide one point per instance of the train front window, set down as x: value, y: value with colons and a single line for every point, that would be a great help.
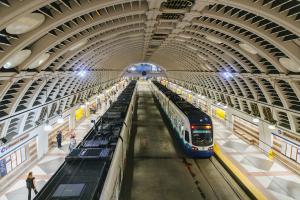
x: 202, y: 136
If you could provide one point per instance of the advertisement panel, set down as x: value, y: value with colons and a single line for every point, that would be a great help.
x: 220, y: 113
x: 79, y: 113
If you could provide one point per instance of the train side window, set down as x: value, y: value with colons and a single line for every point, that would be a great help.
x: 187, y: 136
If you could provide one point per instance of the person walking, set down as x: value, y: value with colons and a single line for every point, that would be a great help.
x: 72, y: 144
x: 59, y: 138
x: 30, y: 185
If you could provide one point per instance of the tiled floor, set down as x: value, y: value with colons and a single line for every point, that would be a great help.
x: 47, y: 166
x: 274, y: 179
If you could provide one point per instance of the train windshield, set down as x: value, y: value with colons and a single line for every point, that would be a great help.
x: 202, y: 135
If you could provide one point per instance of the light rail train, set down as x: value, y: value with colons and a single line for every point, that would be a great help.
x: 94, y: 170
x: 193, y: 127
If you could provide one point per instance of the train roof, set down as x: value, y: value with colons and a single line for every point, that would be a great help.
x: 85, y: 169
x: 195, y: 115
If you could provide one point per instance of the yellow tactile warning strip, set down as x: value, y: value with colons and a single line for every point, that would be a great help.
x: 242, y: 177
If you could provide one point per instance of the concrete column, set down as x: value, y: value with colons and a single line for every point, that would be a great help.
x: 41, y: 141
x: 265, y: 136
x: 98, y: 102
x: 72, y: 119
x: 229, y: 118
x: 208, y: 106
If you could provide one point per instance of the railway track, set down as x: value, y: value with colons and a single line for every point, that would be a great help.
x: 160, y: 170
x: 213, y: 181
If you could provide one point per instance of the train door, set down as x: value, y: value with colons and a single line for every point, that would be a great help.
x: 180, y: 127
x: 182, y: 131
x: 172, y: 117
x: 167, y: 107
x: 164, y: 104
x: 175, y: 122
x: 186, y: 136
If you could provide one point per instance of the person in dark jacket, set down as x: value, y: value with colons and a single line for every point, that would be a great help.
x: 30, y: 185
x: 59, y: 138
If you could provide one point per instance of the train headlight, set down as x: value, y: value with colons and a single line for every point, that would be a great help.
x: 211, y: 148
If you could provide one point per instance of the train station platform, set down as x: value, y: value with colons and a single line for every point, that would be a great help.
x: 265, y: 177
x: 45, y: 167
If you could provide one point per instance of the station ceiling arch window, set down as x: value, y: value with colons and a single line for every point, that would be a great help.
x: 228, y: 51
x: 144, y: 69
x: 139, y: 68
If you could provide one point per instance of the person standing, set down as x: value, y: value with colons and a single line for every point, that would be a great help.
x: 59, y: 138
x: 30, y: 185
x: 72, y: 144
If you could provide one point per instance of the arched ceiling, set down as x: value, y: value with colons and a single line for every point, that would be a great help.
x: 244, y: 53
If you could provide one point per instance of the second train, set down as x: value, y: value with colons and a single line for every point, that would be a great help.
x: 193, y: 127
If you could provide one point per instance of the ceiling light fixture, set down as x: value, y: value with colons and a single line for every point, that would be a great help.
x: 207, y: 66
x: 227, y: 75
x: 39, y: 61
x: 192, y: 47
x: 17, y: 58
x: 255, y: 119
x: 82, y: 73
x: 213, y: 39
x: 202, y: 57
x: 248, y: 48
x: 25, y: 23
x: 185, y: 36
x: 290, y: 64
x: 78, y: 45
